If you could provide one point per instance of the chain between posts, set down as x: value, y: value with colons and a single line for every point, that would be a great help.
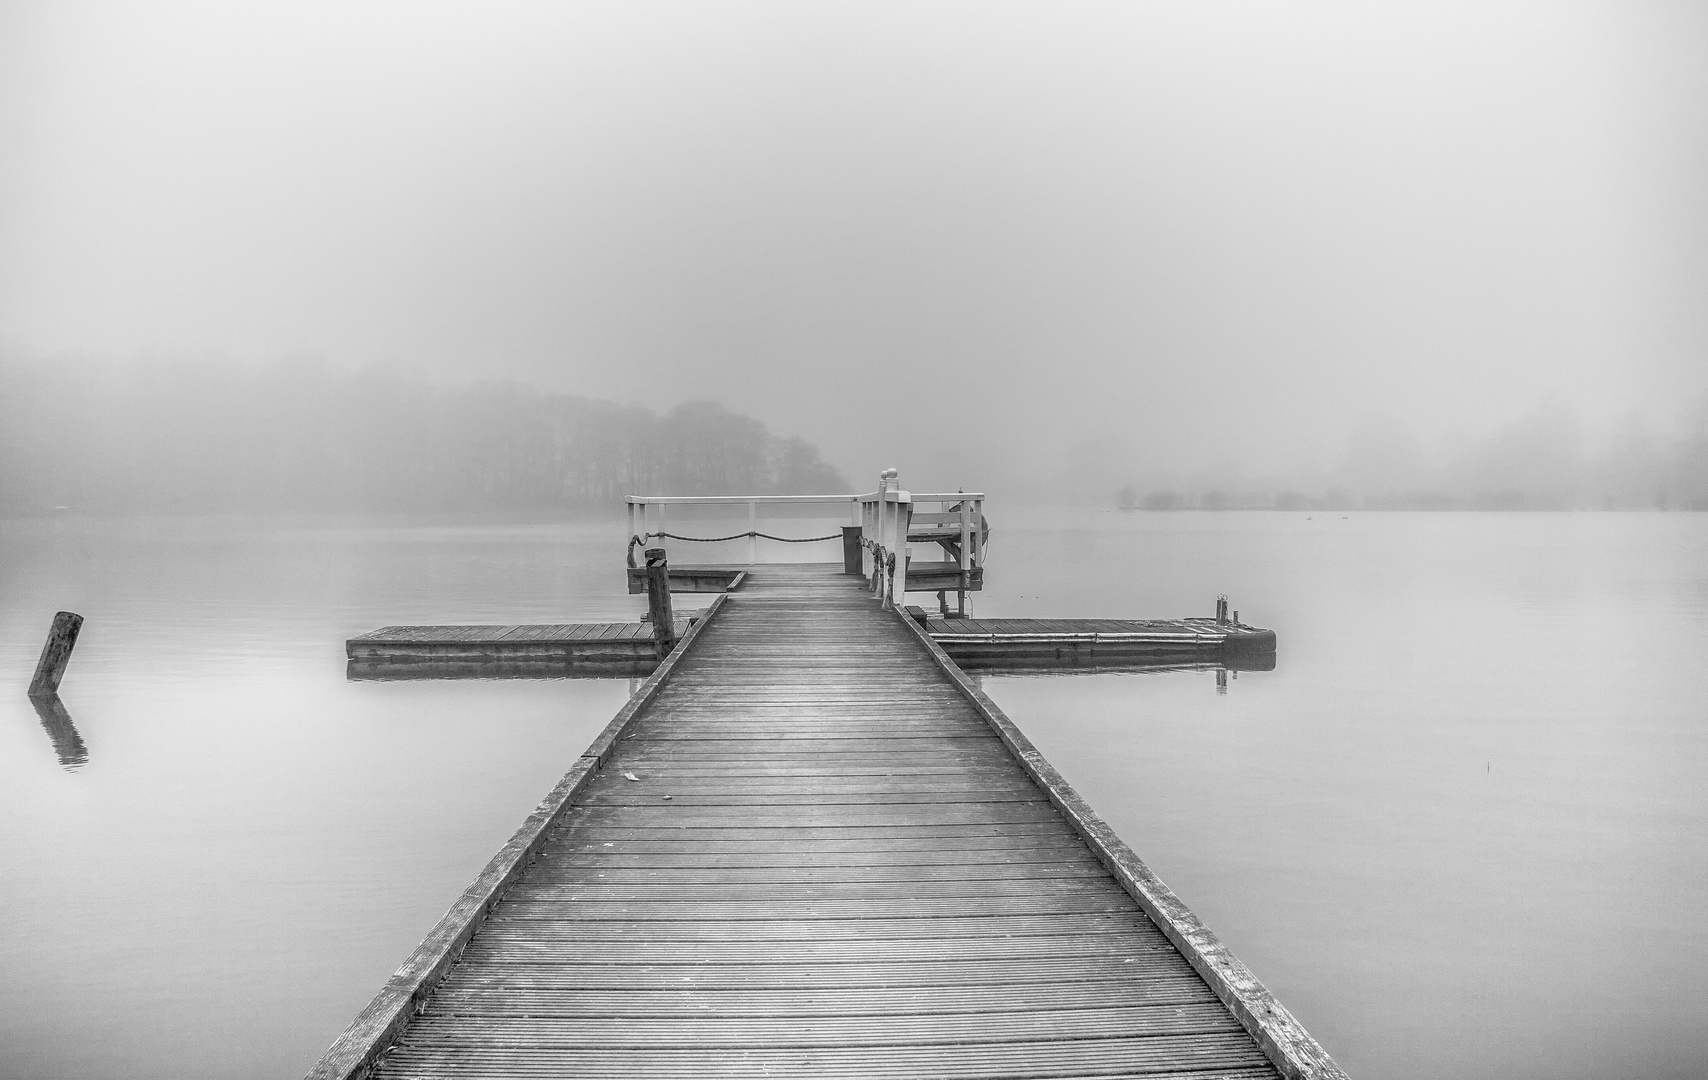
x: 640, y: 541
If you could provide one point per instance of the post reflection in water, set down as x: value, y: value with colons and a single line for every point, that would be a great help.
x: 67, y: 743
x: 1223, y: 672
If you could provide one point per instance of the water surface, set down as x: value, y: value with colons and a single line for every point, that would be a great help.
x: 1460, y: 829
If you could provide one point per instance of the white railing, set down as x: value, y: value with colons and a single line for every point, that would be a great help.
x: 647, y: 513
x: 888, y: 519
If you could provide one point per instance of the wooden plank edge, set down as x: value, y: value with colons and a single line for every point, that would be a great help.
x: 1092, y: 636
x: 1289, y: 1047
x: 602, y: 744
x: 354, y: 1052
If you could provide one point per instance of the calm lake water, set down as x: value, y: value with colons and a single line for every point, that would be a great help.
x: 1462, y: 829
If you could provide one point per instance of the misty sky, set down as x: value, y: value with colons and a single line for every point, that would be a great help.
x: 971, y: 240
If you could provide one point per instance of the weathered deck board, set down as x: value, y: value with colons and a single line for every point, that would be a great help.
x: 827, y: 863
x: 803, y: 1004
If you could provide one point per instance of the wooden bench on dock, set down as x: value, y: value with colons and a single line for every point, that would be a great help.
x: 810, y: 846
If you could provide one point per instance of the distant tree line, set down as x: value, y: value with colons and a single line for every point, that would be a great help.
x: 1550, y: 459
x: 208, y: 437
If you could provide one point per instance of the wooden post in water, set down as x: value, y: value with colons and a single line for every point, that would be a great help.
x: 658, y: 601
x: 56, y: 653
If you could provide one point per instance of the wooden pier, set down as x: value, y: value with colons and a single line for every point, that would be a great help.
x: 809, y: 845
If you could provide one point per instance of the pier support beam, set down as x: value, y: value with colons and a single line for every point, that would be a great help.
x: 658, y: 601
x: 56, y: 653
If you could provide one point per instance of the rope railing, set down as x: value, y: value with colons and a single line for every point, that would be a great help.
x: 884, y: 523
x: 638, y: 540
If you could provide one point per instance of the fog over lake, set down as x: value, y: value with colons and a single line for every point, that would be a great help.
x: 1389, y: 322
x: 1084, y: 239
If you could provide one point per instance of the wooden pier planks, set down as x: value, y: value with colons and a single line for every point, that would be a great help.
x: 827, y: 864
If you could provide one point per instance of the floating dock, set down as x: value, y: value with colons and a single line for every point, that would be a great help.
x: 567, y: 645
x: 602, y: 650
x: 999, y: 644
x: 809, y: 845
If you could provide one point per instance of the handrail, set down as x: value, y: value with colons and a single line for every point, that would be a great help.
x: 885, y: 528
x: 651, y: 516
x: 662, y: 499
x: 879, y: 515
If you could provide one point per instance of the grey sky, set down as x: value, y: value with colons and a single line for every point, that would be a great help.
x: 970, y: 240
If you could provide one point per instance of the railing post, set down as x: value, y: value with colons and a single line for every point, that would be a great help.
x: 658, y: 601
x: 904, y: 521
x: 978, y: 526
x: 880, y: 554
x: 966, y: 541
x: 872, y: 544
x: 850, y: 549
x: 852, y: 562
x: 892, y: 534
x: 752, y: 530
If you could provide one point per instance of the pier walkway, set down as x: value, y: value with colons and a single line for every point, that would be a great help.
x: 810, y: 847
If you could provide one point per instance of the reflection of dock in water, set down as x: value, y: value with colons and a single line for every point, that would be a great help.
x: 409, y: 670
x: 67, y: 743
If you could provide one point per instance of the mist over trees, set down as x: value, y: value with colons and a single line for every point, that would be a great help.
x: 204, y: 436
x: 302, y: 436
x: 1551, y: 458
